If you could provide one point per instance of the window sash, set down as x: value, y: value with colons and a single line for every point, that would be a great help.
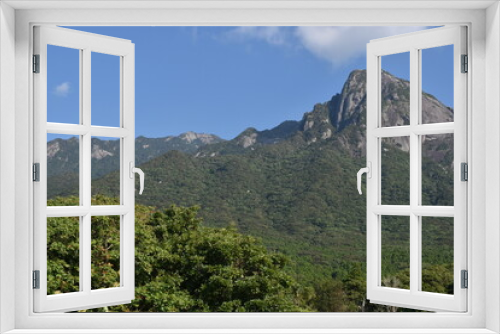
x: 86, y: 298
x: 414, y: 298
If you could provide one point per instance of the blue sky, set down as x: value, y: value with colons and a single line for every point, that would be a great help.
x: 222, y: 80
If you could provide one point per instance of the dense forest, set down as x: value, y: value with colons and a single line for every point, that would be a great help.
x: 181, y: 265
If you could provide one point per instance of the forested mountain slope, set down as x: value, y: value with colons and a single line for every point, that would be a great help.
x: 295, y: 185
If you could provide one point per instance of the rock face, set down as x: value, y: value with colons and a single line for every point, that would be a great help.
x: 199, y: 139
x: 395, y: 101
x: 62, y: 156
x: 98, y: 153
x: 247, y: 138
x: 52, y: 148
x: 349, y: 106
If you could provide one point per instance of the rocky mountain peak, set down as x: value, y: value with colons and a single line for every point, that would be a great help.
x: 343, y: 118
x: 247, y: 138
x: 347, y: 107
x: 317, y: 124
x: 52, y: 148
x: 203, y: 138
x: 58, y: 144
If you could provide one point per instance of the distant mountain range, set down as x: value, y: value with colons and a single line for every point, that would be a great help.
x: 63, y: 155
x: 293, y: 185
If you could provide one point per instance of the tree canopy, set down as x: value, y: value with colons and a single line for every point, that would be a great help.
x: 181, y: 265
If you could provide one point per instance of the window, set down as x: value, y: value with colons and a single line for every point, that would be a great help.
x: 82, y: 121
x: 483, y: 103
x: 411, y: 210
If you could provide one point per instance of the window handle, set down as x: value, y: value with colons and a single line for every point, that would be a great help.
x: 141, y: 176
x: 368, y: 171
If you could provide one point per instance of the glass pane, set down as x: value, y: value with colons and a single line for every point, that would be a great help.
x: 395, y: 171
x: 63, y: 255
x: 63, y: 85
x: 395, y: 90
x: 105, y: 90
x: 395, y: 271
x: 105, y: 251
x: 105, y: 171
x: 437, y: 254
x: 437, y: 84
x: 63, y: 170
x: 437, y: 169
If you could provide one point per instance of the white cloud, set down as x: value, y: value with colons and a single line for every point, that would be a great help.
x: 272, y: 35
x: 62, y: 89
x: 340, y: 45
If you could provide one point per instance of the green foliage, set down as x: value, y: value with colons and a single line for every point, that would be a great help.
x: 181, y: 265
x: 105, y: 250
x: 395, y: 178
x: 329, y: 296
x: 184, y: 266
x: 435, y: 278
x: 63, y: 249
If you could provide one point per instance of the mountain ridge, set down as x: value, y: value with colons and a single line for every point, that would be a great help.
x: 340, y: 120
x: 343, y: 116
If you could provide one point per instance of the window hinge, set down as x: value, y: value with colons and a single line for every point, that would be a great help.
x: 465, y: 279
x: 36, y: 172
x: 465, y: 63
x: 36, y: 279
x: 36, y: 63
x: 464, y: 172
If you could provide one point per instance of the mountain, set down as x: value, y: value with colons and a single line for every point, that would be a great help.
x: 295, y: 185
x: 63, y: 157
x: 343, y: 117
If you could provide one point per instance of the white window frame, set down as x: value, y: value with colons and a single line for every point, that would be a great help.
x: 413, y: 44
x: 86, y: 44
x: 482, y: 18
